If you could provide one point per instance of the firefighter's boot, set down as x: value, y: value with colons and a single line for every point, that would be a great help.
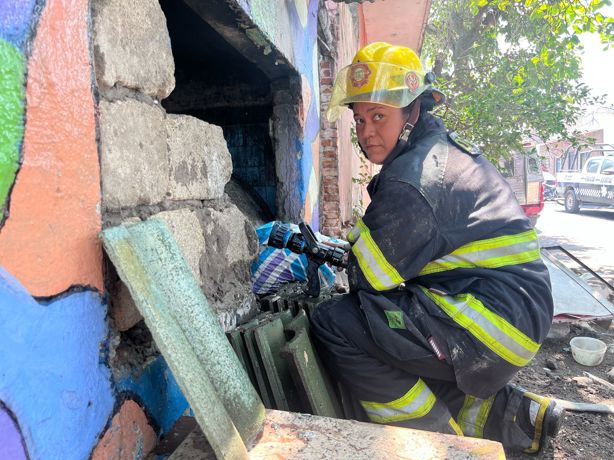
x: 540, y: 418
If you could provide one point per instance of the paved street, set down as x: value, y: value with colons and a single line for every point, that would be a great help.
x: 588, y: 235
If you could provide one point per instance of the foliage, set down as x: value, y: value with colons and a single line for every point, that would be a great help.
x: 511, y: 68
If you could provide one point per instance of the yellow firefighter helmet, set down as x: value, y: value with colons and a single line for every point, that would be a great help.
x: 384, y: 74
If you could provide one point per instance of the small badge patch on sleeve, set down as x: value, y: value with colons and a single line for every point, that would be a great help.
x: 395, y: 319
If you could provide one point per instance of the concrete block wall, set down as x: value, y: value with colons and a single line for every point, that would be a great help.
x: 158, y: 165
x: 87, y: 144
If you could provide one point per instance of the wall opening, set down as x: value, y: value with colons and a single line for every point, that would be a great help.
x: 216, y: 83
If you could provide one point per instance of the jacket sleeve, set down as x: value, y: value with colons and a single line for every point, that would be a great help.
x: 395, y: 239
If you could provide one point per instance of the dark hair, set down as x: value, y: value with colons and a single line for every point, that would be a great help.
x: 427, y: 102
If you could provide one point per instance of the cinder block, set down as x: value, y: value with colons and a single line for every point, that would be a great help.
x: 200, y: 163
x: 133, y: 162
x: 185, y: 227
x: 132, y: 47
x: 230, y: 247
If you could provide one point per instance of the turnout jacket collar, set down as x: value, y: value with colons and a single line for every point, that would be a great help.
x: 427, y: 125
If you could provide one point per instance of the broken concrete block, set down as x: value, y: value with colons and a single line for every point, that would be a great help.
x: 230, y: 247
x: 559, y: 330
x: 188, y: 334
x: 132, y: 47
x: 308, y: 437
x: 185, y: 227
x: 200, y: 163
x: 133, y: 162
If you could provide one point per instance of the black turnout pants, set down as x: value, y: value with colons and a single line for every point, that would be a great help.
x: 418, y: 391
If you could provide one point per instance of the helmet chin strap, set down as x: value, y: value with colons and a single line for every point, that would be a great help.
x: 410, y: 125
x: 406, y: 131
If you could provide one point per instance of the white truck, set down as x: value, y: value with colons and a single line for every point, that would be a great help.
x: 593, y: 186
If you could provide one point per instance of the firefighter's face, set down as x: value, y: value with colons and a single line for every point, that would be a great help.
x: 378, y: 128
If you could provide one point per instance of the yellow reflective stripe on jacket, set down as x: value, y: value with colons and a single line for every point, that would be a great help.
x: 488, y: 327
x: 353, y: 234
x: 416, y: 403
x: 491, y: 253
x: 374, y: 266
x: 472, y: 417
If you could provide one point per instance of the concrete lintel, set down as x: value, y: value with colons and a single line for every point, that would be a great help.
x: 231, y: 22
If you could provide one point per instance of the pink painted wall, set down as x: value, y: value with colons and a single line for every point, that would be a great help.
x: 399, y: 22
x: 49, y: 241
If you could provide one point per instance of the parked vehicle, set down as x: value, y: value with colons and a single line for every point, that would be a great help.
x: 523, y: 173
x: 591, y: 187
x: 550, y: 192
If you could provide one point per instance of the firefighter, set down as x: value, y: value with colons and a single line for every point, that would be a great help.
x: 449, y: 297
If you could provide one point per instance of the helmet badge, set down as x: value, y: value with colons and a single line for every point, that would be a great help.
x: 412, y: 81
x: 360, y: 75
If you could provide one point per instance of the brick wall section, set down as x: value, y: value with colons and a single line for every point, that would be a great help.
x: 338, y: 162
x: 330, y: 210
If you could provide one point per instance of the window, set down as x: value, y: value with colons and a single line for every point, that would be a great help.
x: 607, y: 164
x: 593, y: 167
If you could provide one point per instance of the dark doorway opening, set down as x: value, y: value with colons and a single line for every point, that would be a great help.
x: 217, y: 84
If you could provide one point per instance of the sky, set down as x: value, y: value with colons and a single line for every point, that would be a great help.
x: 598, y: 64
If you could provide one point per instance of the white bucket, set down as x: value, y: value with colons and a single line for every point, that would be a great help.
x: 588, y: 351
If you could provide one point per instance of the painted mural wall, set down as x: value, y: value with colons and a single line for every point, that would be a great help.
x: 58, y: 396
x: 292, y: 28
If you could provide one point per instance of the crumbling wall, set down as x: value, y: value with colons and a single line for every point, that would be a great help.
x: 87, y: 143
x: 165, y: 166
x: 156, y: 165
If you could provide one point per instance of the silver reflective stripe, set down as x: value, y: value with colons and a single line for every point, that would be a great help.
x: 473, y: 415
x: 416, y: 403
x: 488, y: 327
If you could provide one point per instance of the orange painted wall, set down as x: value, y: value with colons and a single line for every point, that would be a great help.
x: 49, y: 241
x: 399, y: 22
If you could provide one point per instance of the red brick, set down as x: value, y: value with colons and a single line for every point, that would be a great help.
x: 329, y: 206
x: 129, y: 436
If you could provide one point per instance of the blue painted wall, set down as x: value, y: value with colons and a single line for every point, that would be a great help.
x: 52, y: 376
